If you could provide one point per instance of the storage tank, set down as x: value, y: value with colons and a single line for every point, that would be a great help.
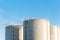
x: 58, y: 32
x: 53, y: 33
x: 14, y: 32
x: 36, y: 29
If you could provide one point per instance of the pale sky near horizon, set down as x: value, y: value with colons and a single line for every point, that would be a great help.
x: 15, y: 11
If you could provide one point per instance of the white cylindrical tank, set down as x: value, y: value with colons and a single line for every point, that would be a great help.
x: 14, y: 32
x: 36, y: 29
x: 58, y: 32
x: 53, y: 33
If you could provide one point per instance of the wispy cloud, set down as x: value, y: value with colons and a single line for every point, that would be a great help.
x: 3, y: 22
x: 2, y: 10
x: 13, y: 23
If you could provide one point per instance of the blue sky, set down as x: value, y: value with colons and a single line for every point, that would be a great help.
x: 15, y: 11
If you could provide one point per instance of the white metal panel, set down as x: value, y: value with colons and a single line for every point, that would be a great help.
x: 21, y: 33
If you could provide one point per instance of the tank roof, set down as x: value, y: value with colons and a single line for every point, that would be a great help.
x: 35, y: 19
x: 14, y: 26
